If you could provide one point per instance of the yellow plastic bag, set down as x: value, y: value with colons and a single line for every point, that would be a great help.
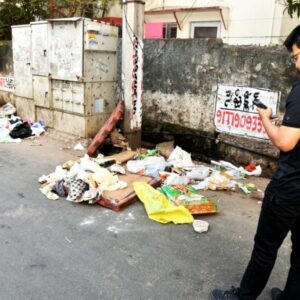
x: 158, y: 207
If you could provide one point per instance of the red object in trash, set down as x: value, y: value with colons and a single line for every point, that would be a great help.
x: 250, y: 167
x: 106, y: 128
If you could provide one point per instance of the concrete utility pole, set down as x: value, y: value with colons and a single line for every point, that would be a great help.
x: 132, y: 69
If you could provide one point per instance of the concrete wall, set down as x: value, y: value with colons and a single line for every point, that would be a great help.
x: 180, y: 85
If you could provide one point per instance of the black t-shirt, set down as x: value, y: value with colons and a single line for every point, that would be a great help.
x: 286, y: 180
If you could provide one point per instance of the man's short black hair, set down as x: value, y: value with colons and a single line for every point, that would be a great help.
x: 293, y: 38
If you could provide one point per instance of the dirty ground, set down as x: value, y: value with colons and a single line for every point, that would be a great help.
x: 62, y: 250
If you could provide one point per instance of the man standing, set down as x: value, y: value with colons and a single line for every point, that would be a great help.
x: 280, y: 211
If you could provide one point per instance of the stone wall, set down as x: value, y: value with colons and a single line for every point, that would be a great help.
x: 180, y: 86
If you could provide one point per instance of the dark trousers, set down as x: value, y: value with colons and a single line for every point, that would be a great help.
x: 276, y: 220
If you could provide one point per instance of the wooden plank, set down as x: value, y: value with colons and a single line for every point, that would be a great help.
x: 117, y: 200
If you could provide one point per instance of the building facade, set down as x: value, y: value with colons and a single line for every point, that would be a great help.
x: 236, y: 22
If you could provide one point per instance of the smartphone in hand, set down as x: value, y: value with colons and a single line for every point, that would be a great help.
x: 259, y: 104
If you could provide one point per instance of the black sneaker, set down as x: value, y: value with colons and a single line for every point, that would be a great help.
x: 231, y: 294
x: 276, y: 293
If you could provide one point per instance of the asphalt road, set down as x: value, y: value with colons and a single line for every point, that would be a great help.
x: 60, y: 250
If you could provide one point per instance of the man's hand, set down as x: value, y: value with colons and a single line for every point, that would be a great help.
x: 265, y: 113
x: 283, y: 137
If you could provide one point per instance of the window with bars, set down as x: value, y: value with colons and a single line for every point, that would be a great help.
x: 170, y: 31
x: 205, y: 30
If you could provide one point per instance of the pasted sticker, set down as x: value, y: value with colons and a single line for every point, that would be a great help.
x: 137, y: 84
x: 7, y: 84
x: 99, y: 106
x: 236, y: 112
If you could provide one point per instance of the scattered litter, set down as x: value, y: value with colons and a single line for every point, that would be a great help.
x: 50, y: 195
x: 165, y: 149
x: 150, y: 166
x: 116, y: 181
x: 118, y: 140
x: 144, y: 153
x: 159, y: 208
x: 180, y: 158
x: 256, y: 172
x: 79, y: 147
x: 13, y: 129
x: 203, y: 185
x: 248, y: 188
x: 7, y: 110
x: 118, y: 158
x: 68, y: 240
x: 116, y: 168
x: 200, y: 226
x: 198, y: 173
x: 21, y: 130
x: 219, y: 182
x: 238, y: 172
x: 79, y: 181
x: 38, y: 128
x: 250, y: 167
x: 188, y: 197
x: 175, y: 179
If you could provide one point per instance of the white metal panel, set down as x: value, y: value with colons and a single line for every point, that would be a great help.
x: 40, y: 51
x: 57, y: 94
x: 78, y: 97
x: 21, y: 38
x: 100, y: 66
x: 100, y: 37
x: 103, y: 97
x: 25, y: 108
x: 67, y: 99
x: 66, y: 50
x: 41, y: 91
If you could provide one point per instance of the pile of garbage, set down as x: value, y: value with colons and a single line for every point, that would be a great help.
x: 178, y: 196
x: 13, y: 129
x: 82, y: 181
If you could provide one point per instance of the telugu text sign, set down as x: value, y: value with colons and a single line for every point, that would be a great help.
x: 235, y: 112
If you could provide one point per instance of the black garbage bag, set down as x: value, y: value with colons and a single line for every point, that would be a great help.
x: 21, y: 131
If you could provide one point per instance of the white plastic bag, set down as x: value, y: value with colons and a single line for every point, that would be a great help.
x: 180, y: 158
x: 150, y: 166
x: 198, y: 173
x: 175, y: 179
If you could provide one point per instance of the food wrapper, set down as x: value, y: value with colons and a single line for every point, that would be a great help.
x: 188, y: 197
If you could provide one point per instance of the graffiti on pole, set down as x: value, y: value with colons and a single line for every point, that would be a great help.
x: 7, y: 84
x: 137, y: 84
x: 236, y: 110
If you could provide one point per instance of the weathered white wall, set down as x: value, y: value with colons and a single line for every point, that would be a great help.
x: 249, y: 22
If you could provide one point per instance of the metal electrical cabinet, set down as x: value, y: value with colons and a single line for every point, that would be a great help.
x: 73, y: 72
x: 83, y: 50
x: 40, y: 48
x: 21, y: 44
